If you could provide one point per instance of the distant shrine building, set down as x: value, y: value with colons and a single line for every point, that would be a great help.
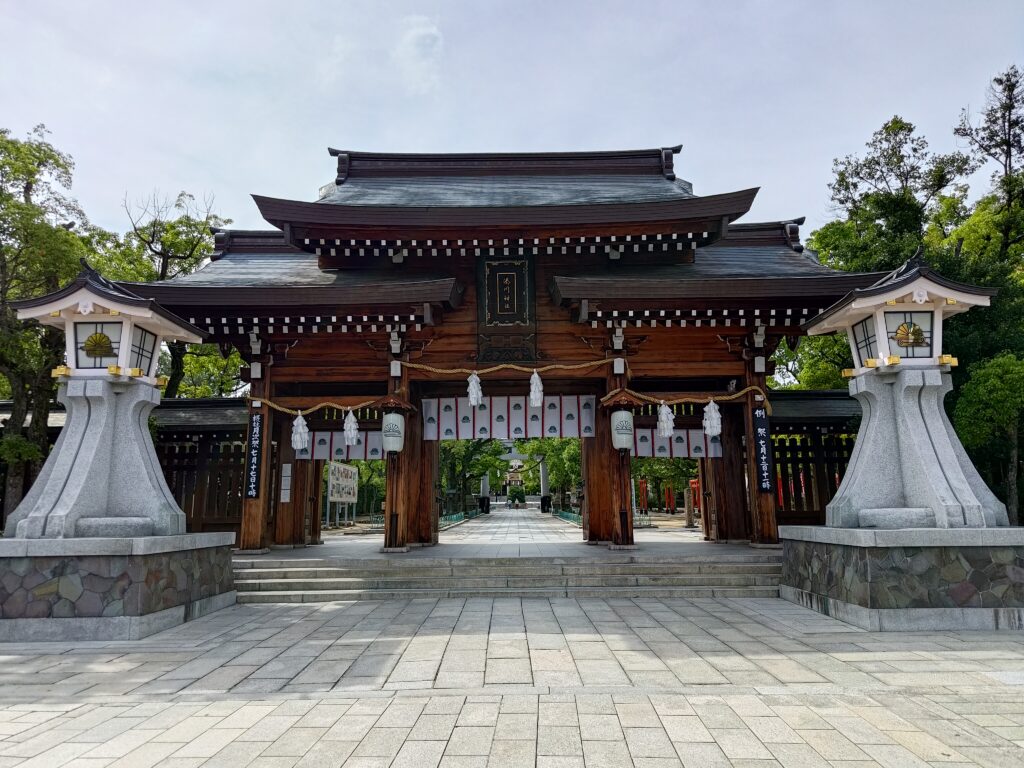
x: 602, y: 271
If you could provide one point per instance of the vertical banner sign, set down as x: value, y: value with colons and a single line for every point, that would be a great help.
x: 763, y: 444
x: 253, y: 453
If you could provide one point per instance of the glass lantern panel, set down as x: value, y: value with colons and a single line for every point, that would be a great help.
x: 864, y: 337
x: 143, y: 347
x: 909, y: 333
x: 97, y: 344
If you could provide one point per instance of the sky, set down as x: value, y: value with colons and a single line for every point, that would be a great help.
x: 232, y: 98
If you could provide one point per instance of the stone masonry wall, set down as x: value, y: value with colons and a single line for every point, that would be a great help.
x: 36, y: 587
x: 907, y: 577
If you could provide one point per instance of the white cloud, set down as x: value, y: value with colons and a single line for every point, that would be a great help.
x: 417, y: 54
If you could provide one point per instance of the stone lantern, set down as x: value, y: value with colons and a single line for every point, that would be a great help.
x: 908, y: 468
x: 102, y: 478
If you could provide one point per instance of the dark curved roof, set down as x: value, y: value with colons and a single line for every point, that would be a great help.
x: 753, y: 260
x: 293, y: 278
x: 93, y: 282
x: 542, y: 218
x: 905, y: 274
x: 385, y: 196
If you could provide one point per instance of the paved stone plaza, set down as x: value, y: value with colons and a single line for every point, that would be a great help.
x: 513, y: 682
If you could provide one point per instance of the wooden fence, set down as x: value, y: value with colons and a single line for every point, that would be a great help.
x: 809, y: 465
x: 206, y: 477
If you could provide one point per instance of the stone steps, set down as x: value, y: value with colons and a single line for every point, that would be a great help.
x: 756, y: 574
x: 328, y: 596
x: 499, y: 582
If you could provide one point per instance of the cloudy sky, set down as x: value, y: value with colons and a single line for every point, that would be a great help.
x: 232, y: 98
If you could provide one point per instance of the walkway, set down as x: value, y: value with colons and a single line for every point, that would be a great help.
x: 517, y: 533
x: 517, y: 683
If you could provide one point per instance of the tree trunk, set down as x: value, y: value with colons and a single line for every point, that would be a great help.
x: 177, y: 375
x: 44, y: 394
x: 14, y: 486
x: 1012, y: 495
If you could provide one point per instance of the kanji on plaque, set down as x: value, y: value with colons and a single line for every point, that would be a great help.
x: 763, y: 448
x: 253, y: 454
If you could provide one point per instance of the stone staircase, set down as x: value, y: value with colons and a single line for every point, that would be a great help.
x: 754, y: 574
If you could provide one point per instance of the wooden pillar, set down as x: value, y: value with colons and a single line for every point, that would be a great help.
x: 254, y: 510
x: 286, y: 503
x: 764, y: 529
x: 426, y: 516
x: 394, y: 506
x: 609, y: 484
x: 416, y: 491
x: 622, y: 484
x: 598, y: 458
x: 731, y: 489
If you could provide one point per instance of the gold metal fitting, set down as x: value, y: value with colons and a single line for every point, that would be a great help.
x: 892, y: 360
x: 871, y: 363
x: 55, y: 313
x: 115, y: 312
x: 848, y: 373
x: 114, y: 370
x: 134, y: 371
x: 949, y: 360
x: 161, y: 381
x: 891, y: 302
x: 60, y: 370
x: 950, y: 300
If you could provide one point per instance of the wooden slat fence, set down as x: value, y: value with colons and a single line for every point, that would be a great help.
x: 809, y: 465
x: 206, y: 477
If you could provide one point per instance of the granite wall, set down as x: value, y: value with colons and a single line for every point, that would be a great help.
x: 907, y: 577
x: 111, y: 585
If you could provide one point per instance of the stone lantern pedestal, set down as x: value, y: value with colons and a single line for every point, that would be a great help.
x: 914, y: 540
x: 97, y: 549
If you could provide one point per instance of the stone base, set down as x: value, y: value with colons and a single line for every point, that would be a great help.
x: 910, y: 579
x: 103, y: 628
x: 394, y: 550
x: 110, y: 589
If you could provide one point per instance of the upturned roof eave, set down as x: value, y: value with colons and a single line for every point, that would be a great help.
x: 281, y: 213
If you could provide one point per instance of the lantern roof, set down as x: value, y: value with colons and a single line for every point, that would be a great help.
x: 90, y: 289
x: 913, y: 282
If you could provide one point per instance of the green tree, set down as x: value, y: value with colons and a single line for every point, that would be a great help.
x: 463, y: 462
x: 38, y: 252
x: 999, y: 139
x: 660, y: 472
x: 166, y: 240
x: 988, y: 416
x: 562, y: 457
x: 885, y: 198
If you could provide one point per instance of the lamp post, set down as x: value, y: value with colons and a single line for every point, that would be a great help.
x: 102, y: 478
x: 908, y: 468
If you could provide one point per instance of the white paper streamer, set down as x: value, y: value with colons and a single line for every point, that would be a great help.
x: 536, y: 391
x: 351, y: 429
x: 666, y: 421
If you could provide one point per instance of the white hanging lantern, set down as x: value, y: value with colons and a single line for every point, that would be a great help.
x: 300, y: 434
x: 393, y: 432
x: 476, y: 393
x: 622, y: 430
x: 666, y: 421
x: 536, y: 391
x: 351, y: 429
x: 712, y: 420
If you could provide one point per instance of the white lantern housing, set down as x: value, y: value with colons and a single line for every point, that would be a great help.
x: 898, y: 320
x: 108, y: 330
x: 393, y: 432
x: 622, y: 430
